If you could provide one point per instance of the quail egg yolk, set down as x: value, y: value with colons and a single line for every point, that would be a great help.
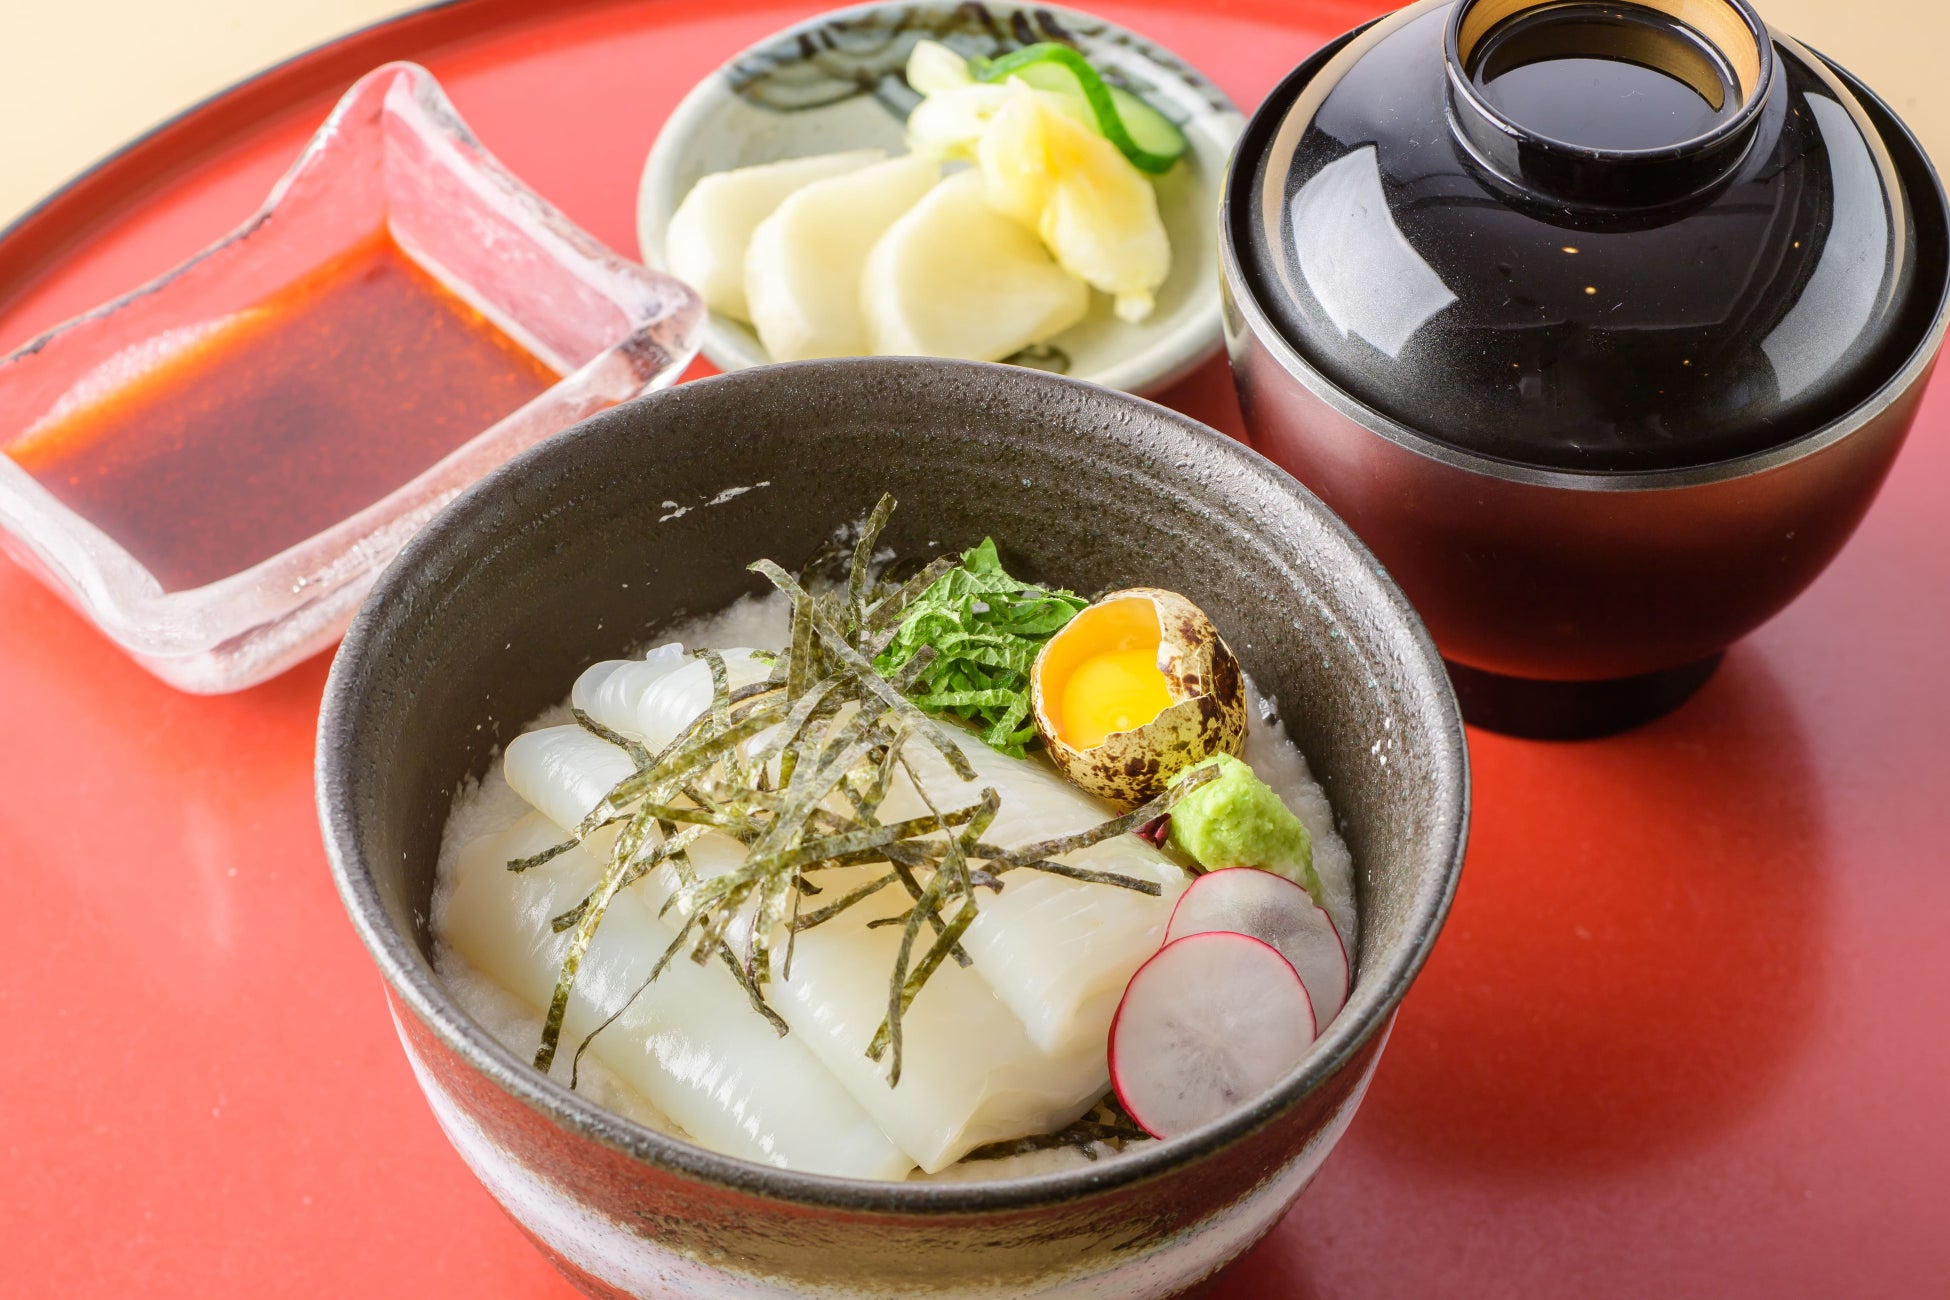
x: 1105, y: 673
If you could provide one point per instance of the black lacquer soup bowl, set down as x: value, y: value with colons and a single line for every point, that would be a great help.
x: 1600, y: 322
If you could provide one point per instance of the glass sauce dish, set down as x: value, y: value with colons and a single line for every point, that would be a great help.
x: 215, y: 467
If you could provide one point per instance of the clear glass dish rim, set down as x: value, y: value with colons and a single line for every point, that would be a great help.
x: 122, y: 598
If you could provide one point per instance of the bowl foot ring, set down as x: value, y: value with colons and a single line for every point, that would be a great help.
x: 1545, y: 710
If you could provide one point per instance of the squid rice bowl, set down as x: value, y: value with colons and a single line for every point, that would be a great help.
x: 1129, y: 817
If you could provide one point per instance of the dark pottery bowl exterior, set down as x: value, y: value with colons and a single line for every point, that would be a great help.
x: 580, y: 549
x: 1564, y: 576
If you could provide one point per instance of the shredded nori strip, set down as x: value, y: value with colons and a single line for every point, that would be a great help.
x: 638, y: 754
x: 866, y: 674
x: 671, y: 849
x: 853, y: 689
x: 627, y: 845
x: 1107, y: 1124
x: 1110, y: 830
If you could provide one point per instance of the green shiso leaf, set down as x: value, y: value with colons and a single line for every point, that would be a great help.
x: 985, y: 629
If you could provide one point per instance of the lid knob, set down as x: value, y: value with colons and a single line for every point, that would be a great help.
x: 1620, y: 104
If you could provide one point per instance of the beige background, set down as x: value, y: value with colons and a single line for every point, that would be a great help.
x: 78, y: 77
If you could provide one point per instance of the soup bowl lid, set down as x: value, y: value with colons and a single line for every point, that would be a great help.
x: 1457, y: 216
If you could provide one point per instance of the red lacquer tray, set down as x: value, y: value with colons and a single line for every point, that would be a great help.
x: 1687, y: 1033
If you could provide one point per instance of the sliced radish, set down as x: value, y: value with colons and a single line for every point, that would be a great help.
x: 1210, y: 1021
x: 1270, y: 908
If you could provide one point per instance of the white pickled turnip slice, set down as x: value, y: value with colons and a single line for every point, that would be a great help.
x: 1274, y: 910
x: 802, y: 271
x: 956, y: 278
x: 712, y: 228
x: 1210, y: 1022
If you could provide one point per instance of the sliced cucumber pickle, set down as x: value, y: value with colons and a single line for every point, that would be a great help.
x: 1141, y: 133
x: 1151, y: 131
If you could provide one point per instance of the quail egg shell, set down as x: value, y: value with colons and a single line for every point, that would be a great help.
x: 1135, y: 689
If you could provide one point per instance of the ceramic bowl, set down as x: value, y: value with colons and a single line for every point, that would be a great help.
x: 582, y: 548
x: 836, y: 82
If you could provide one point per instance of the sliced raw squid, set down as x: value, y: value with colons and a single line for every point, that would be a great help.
x: 563, y: 772
x: 653, y: 699
x: 691, y: 1043
x: 969, y: 1073
x: 974, y: 1069
x: 1058, y: 951
x: 608, y: 691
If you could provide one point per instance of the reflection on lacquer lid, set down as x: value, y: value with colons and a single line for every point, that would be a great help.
x: 1587, y: 236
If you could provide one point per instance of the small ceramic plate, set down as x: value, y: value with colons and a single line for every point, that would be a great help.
x: 836, y: 82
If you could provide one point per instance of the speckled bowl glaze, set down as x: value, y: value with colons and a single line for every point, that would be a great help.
x: 580, y: 549
x: 837, y: 82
